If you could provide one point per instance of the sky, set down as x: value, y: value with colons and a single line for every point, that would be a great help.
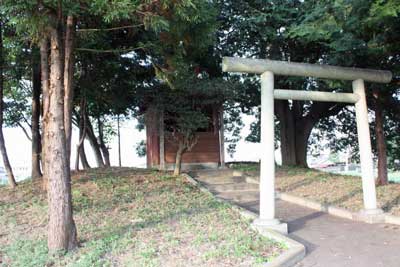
x: 19, y: 148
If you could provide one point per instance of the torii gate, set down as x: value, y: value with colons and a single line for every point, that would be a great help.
x: 267, y: 69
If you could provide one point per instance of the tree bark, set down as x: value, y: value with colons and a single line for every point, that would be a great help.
x: 178, y: 159
x: 296, y: 128
x: 68, y: 86
x: 80, y: 150
x: 36, y: 137
x: 287, y: 133
x: 93, y: 142
x: 6, y: 162
x: 62, y: 234
x: 380, y: 142
x: 119, y: 142
x: 103, y: 147
x: 303, y: 132
x: 45, y: 83
x: 82, y: 156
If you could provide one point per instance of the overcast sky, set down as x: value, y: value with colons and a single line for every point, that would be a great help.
x: 19, y: 148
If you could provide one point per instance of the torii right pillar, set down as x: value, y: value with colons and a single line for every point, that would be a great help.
x: 370, y: 213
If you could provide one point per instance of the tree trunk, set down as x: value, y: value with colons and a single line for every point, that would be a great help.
x: 296, y: 128
x: 287, y: 133
x: 151, y: 119
x: 68, y: 88
x: 82, y: 135
x: 380, y: 142
x: 93, y: 142
x: 178, y: 159
x: 45, y: 83
x: 62, y: 234
x: 82, y: 156
x: 36, y: 137
x: 77, y: 157
x: 119, y: 142
x: 103, y: 147
x: 6, y: 162
x: 303, y: 131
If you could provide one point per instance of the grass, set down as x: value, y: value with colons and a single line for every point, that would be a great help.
x: 339, y: 190
x: 131, y: 217
x: 245, y: 166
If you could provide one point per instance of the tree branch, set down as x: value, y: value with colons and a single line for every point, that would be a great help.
x: 25, y: 131
x: 110, y: 50
x: 321, y: 110
x: 109, y: 29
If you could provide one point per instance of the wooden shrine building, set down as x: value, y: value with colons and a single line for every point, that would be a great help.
x: 161, y: 148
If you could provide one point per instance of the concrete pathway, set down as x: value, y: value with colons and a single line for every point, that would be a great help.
x: 330, y: 241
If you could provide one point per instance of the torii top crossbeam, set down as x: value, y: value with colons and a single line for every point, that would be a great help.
x: 259, y: 66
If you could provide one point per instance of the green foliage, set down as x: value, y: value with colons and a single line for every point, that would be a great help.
x: 141, y: 148
x: 362, y: 34
x: 246, y: 167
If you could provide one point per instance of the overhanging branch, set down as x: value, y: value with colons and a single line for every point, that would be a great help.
x: 109, y: 29
x: 110, y: 50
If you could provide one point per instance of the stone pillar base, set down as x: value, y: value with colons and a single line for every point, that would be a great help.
x: 370, y: 216
x: 274, y: 224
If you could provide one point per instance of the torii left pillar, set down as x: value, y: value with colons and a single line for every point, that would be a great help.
x: 267, y: 169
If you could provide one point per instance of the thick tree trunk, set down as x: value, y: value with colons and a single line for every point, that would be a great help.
x: 152, y: 137
x: 36, y: 137
x: 6, y: 162
x: 93, y: 142
x: 68, y: 75
x: 303, y: 131
x: 45, y: 83
x: 296, y: 128
x: 62, y: 234
x: 178, y: 159
x: 380, y: 143
x: 293, y: 134
x: 287, y: 133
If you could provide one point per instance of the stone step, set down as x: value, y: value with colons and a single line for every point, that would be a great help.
x: 217, y: 180
x: 214, y: 173
x: 232, y: 187
x: 252, y: 179
x: 240, y: 196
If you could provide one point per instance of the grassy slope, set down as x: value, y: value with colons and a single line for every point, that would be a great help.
x: 338, y: 190
x: 131, y: 217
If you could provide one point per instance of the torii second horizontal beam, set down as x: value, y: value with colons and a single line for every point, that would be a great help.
x: 259, y: 66
x: 284, y: 94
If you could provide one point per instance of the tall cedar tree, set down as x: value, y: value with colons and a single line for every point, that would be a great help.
x: 61, y: 231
